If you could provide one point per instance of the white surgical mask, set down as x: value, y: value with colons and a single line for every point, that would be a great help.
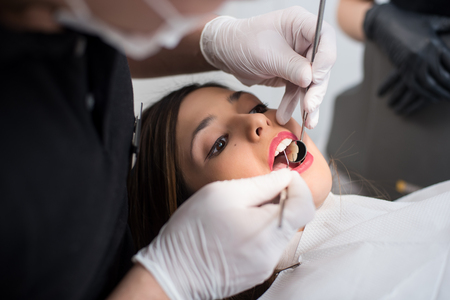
x: 134, y: 45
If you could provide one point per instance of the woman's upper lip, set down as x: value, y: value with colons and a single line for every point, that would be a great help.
x: 275, y: 142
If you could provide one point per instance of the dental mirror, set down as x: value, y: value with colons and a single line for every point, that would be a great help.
x: 297, y: 151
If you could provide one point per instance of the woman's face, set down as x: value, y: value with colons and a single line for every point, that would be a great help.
x: 224, y: 135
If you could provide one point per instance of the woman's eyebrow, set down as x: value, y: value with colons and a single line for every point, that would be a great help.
x: 234, y: 97
x: 203, y: 124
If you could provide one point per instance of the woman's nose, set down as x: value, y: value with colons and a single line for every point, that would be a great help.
x: 254, y: 126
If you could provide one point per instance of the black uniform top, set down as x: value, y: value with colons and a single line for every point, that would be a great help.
x: 429, y: 7
x: 66, y: 124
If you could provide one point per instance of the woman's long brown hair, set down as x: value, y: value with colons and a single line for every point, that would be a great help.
x: 155, y: 185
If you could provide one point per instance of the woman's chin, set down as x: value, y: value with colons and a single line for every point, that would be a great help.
x: 319, y: 198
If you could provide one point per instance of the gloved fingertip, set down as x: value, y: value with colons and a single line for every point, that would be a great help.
x: 310, y: 125
x: 310, y: 105
x: 282, y: 118
x: 305, y: 77
x: 313, y: 119
x: 288, y: 103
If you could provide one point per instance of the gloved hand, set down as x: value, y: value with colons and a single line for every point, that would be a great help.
x: 225, y: 238
x: 275, y: 49
x: 403, y: 100
x: 422, y: 60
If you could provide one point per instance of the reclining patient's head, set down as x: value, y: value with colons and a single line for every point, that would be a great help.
x: 201, y: 134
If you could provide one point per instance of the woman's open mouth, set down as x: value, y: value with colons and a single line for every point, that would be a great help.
x: 279, y: 151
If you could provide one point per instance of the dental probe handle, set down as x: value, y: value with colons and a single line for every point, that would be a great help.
x: 318, y: 28
x: 316, y: 42
x: 305, y: 115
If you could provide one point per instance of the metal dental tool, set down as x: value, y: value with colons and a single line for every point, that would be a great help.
x: 291, y: 267
x: 283, y: 196
x: 302, y: 147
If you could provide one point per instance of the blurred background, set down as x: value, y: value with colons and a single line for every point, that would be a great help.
x: 346, y: 72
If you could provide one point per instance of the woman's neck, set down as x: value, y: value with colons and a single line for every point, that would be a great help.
x: 30, y: 15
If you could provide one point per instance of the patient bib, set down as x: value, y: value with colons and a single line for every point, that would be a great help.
x: 365, y: 248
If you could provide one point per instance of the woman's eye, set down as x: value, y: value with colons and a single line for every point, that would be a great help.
x: 218, y: 146
x: 259, y: 109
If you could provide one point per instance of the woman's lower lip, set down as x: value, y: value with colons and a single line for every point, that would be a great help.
x: 305, y: 164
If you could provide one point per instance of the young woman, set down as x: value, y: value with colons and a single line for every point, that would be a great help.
x: 205, y: 133
x: 201, y: 134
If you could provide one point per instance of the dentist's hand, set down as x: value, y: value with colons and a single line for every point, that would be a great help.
x: 412, y: 43
x: 275, y: 49
x: 225, y: 238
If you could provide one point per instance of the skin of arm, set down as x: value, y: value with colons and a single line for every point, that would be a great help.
x: 138, y: 284
x: 351, y: 14
x: 186, y: 58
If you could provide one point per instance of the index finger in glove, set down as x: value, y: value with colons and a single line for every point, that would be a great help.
x: 288, y: 103
x: 312, y: 119
x: 415, y: 106
x: 314, y: 95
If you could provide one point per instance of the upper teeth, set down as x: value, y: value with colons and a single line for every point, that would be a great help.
x: 282, y: 146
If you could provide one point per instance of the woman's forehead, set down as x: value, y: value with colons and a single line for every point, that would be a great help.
x: 213, y: 99
x: 207, y: 94
x: 203, y: 101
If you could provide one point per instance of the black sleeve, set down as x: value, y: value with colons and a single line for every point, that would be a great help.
x: 64, y: 160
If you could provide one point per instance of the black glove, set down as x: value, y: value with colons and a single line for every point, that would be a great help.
x: 412, y: 43
x: 403, y: 100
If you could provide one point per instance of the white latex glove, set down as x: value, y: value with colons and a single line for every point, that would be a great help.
x: 223, y: 240
x: 275, y: 49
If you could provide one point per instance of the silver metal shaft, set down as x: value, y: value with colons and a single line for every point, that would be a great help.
x: 316, y: 42
x: 318, y: 28
x: 305, y: 115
